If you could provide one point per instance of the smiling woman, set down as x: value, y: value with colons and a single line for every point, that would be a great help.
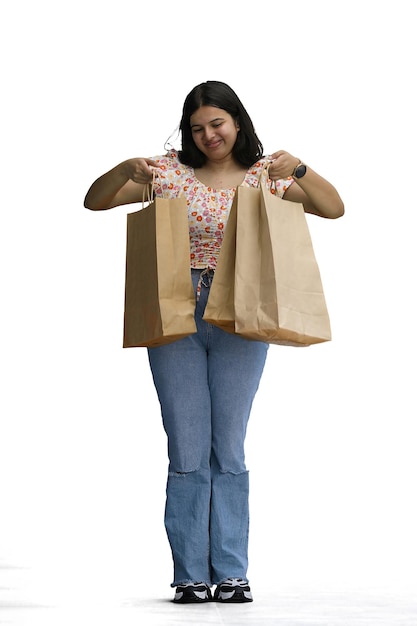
x: 206, y: 382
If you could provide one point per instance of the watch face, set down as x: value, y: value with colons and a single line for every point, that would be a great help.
x: 300, y: 171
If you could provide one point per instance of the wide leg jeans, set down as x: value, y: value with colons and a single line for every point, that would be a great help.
x: 206, y: 384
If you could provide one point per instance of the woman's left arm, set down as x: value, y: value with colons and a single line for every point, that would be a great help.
x: 316, y: 194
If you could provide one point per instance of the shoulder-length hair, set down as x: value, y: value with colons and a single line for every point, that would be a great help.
x: 247, y: 149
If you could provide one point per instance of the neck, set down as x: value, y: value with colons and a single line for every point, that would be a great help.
x: 225, y: 174
x: 223, y: 165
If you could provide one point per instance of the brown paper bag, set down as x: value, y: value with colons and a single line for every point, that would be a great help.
x: 159, y: 295
x: 278, y: 292
x: 220, y: 307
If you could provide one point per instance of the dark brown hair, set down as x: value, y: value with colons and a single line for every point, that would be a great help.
x: 247, y: 149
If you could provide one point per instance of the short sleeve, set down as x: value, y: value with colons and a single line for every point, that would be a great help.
x: 170, y: 176
x: 252, y: 178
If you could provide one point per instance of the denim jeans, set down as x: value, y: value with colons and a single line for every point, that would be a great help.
x: 206, y: 383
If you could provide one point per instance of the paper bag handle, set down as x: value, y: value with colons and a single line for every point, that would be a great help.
x: 264, y: 175
x: 149, y: 190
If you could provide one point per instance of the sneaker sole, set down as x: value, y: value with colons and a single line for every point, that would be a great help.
x: 192, y: 597
x: 235, y: 596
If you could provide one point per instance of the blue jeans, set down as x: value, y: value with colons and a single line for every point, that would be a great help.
x: 206, y: 383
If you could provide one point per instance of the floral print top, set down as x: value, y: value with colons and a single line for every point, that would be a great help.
x: 208, y: 209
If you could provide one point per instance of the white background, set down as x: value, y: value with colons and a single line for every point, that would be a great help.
x: 331, y: 442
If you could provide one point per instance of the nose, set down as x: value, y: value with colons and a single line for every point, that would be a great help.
x: 209, y: 132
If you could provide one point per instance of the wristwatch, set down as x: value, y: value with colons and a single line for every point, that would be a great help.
x: 299, y: 170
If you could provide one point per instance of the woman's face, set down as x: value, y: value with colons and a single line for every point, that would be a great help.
x: 214, y: 132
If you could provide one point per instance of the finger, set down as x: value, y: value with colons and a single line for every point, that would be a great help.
x: 152, y: 163
x: 277, y: 154
x: 141, y: 177
x: 144, y: 172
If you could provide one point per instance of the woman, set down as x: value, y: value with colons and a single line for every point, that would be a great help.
x: 206, y: 382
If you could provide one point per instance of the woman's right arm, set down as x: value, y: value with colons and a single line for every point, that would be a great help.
x: 124, y: 184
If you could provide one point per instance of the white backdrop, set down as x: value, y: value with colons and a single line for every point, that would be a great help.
x: 331, y: 443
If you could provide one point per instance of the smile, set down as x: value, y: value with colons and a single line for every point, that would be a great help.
x: 213, y: 144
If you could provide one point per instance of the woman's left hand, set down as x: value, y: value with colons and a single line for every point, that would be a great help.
x: 316, y: 194
x: 283, y: 165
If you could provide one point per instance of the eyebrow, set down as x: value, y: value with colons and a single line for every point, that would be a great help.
x: 216, y: 119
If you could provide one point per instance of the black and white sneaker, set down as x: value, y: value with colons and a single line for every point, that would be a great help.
x: 192, y: 592
x: 233, y: 590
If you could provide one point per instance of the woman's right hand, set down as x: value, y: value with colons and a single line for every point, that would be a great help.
x: 140, y: 170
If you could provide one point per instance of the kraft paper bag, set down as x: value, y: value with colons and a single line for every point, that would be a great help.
x: 278, y: 292
x: 159, y: 295
x: 220, y: 307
